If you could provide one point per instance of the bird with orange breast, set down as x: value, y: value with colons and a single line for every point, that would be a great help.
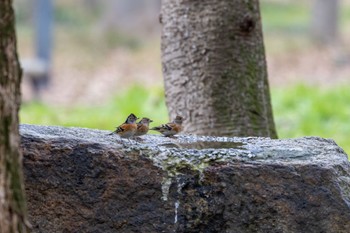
x: 143, y: 126
x: 128, y: 128
x: 172, y: 128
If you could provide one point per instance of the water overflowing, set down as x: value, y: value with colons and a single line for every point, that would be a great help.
x: 165, y: 188
x: 177, y: 204
x: 180, y: 185
x: 199, y: 145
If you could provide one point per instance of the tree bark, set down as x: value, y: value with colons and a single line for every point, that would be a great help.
x: 214, y: 67
x: 12, y: 200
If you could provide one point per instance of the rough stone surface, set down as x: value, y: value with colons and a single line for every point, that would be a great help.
x: 83, y: 180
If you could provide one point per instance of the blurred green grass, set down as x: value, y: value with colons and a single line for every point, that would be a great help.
x: 284, y: 17
x: 294, y: 16
x: 298, y: 110
x: 138, y: 100
x: 302, y: 110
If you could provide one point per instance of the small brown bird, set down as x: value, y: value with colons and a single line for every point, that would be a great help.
x: 171, y: 128
x: 128, y: 128
x: 143, y: 126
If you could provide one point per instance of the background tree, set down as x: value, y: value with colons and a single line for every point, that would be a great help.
x: 12, y: 201
x: 214, y: 67
x: 324, y: 21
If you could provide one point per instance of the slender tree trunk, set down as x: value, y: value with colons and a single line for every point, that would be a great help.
x: 12, y: 201
x: 43, y: 15
x: 324, y: 21
x: 214, y: 67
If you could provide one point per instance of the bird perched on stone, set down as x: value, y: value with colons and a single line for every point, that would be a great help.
x: 128, y: 128
x: 143, y: 126
x: 171, y: 128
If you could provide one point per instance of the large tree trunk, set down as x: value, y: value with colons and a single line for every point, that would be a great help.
x: 214, y: 67
x: 12, y: 201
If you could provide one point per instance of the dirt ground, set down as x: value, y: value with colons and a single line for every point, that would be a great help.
x: 82, y: 77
